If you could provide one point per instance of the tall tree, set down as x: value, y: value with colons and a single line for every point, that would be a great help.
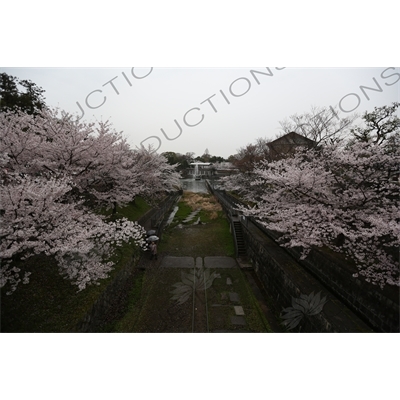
x: 30, y: 99
x: 8, y: 91
x: 206, y: 156
x: 51, y: 165
x: 249, y: 156
x: 323, y: 125
x: 381, y: 125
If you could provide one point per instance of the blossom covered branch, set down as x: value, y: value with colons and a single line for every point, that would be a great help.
x: 55, y: 172
x: 343, y: 195
x: 319, y: 196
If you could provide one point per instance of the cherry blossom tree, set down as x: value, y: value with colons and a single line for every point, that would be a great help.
x: 37, y: 219
x: 154, y: 174
x: 98, y: 160
x: 52, y: 169
x: 346, y: 199
x: 343, y: 195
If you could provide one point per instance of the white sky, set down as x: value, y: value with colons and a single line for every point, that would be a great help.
x: 166, y: 94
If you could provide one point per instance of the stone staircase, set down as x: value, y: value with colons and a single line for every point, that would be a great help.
x: 241, y: 248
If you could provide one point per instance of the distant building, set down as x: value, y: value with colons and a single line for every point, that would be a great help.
x: 287, y: 144
x: 205, y: 170
x: 275, y: 150
x: 200, y: 170
x: 224, y: 168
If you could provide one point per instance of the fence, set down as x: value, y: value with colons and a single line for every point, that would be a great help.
x: 379, y: 308
x: 284, y: 279
x: 155, y: 218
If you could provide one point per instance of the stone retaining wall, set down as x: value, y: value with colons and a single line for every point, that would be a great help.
x: 378, y: 307
x: 283, y: 279
x: 155, y: 217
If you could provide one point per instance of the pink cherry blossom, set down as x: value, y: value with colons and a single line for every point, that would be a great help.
x: 343, y: 197
x: 55, y: 174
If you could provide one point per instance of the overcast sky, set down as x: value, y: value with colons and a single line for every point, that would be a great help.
x: 149, y: 100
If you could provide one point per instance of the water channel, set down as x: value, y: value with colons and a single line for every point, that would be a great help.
x: 189, y: 185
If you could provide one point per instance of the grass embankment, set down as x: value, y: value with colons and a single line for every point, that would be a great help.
x: 132, y: 211
x: 50, y: 303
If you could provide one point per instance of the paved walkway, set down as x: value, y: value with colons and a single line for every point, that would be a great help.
x: 199, y: 294
x: 210, y: 294
x: 191, y: 262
